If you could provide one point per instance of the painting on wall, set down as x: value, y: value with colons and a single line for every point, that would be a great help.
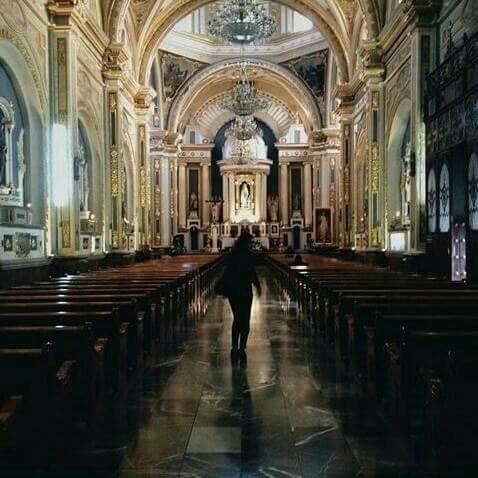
x: 312, y: 69
x: 323, y: 225
x: 176, y: 70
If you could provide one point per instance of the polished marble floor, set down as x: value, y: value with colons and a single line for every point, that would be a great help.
x: 286, y: 414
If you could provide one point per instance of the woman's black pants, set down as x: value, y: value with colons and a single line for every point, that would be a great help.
x: 241, y: 309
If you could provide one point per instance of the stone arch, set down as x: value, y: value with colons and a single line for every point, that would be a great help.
x: 211, y: 117
x: 400, y: 124
x: 295, y: 87
x: 19, y: 69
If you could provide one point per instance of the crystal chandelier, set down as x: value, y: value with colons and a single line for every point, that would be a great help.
x: 242, y: 152
x: 243, y: 128
x: 245, y: 100
x: 242, y: 21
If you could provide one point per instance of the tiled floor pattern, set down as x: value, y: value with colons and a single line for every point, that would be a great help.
x: 285, y: 415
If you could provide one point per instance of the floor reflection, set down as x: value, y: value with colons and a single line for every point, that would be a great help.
x: 287, y: 414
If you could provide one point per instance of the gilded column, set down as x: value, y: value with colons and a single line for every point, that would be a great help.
x: 258, y: 197
x: 182, y: 195
x: 112, y: 73
x: 264, y: 197
x: 284, y: 193
x: 374, y: 71
x: 232, y: 198
x: 308, y: 194
x: 225, y: 198
x: 205, y: 193
x: 143, y: 106
x: 165, y: 201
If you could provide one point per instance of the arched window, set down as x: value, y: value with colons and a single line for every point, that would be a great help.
x: 432, y: 201
x: 473, y: 192
x: 444, y: 213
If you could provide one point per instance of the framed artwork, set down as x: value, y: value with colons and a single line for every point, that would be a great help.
x: 323, y: 225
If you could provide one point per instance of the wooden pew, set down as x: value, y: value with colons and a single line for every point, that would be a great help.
x: 71, y: 343
x: 37, y: 399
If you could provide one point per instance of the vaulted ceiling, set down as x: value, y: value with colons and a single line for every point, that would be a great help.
x: 340, y: 22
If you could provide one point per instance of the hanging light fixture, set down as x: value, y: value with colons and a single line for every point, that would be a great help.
x: 242, y: 21
x: 243, y: 128
x: 245, y: 100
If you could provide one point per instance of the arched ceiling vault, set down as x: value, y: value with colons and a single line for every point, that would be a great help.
x: 327, y: 15
x: 273, y: 80
x: 210, y: 117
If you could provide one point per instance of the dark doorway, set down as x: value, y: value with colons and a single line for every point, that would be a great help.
x: 296, y: 238
x: 194, y: 238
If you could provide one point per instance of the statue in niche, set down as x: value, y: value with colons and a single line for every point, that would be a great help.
x: 215, y: 210
x: 273, y: 203
x: 245, y: 194
x: 81, y: 175
x: 193, y: 204
x: 324, y: 228
x: 3, y: 149
x: 124, y: 196
x: 296, y: 202
x: 21, y: 164
x: 405, y: 182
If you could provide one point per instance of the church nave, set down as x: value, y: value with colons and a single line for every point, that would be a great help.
x: 287, y: 414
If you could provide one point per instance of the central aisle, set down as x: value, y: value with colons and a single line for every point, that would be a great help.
x: 277, y: 418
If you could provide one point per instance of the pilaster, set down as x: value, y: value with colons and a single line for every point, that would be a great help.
x: 164, y: 190
x: 112, y: 74
x: 65, y: 220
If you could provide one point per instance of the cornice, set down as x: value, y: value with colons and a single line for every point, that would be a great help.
x: 198, y: 147
x: 410, y: 13
x: 289, y: 146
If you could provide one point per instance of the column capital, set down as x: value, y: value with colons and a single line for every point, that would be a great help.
x: 114, y: 58
x: 371, y: 54
x: 61, y: 11
x: 143, y: 100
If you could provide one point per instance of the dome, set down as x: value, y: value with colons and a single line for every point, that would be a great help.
x: 238, y: 151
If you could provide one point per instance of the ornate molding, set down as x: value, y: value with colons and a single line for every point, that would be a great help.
x: 8, y: 35
x: 144, y: 99
x: 114, y: 58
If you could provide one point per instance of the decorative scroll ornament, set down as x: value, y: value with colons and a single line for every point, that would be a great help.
x: 242, y: 21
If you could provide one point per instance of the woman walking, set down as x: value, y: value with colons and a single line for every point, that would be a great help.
x: 237, y: 281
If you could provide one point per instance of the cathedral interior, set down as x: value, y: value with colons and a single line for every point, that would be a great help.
x: 141, y: 139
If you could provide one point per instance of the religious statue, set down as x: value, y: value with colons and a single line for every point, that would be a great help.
x: 405, y: 182
x: 296, y: 203
x: 324, y: 228
x: 215, y: 210
x: 245, y: 195
x: 273, y: 203
x: 81, y: 175
x: 193, y: 203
